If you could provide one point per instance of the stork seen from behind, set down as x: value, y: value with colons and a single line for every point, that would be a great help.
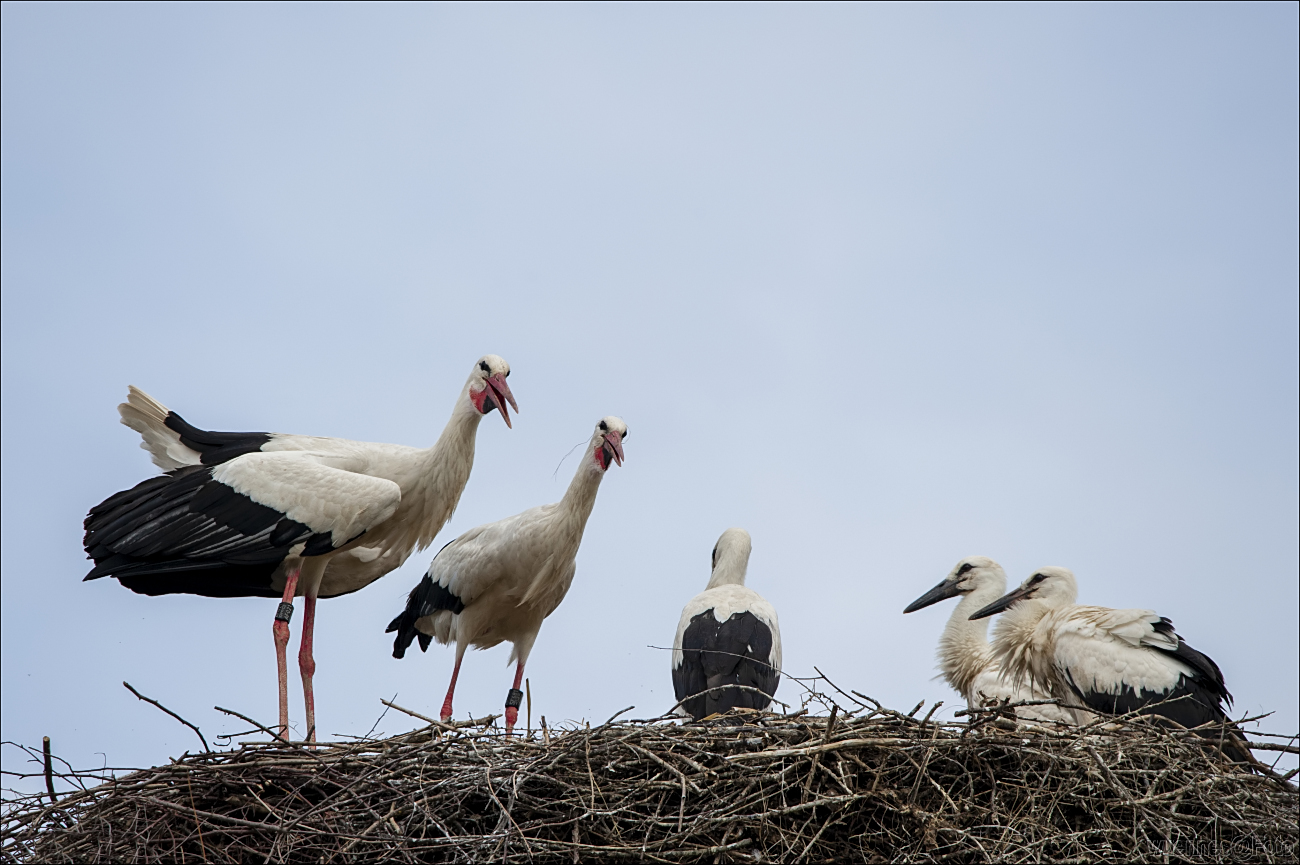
x: 965, y: 658
x: 1108, y: 661
x: 498, y: 582
x: 275, y: 515
x: 727, y: 636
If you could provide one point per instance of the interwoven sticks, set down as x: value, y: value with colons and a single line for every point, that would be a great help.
x: 881, y: 786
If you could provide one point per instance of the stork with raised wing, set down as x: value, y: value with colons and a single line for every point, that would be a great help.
x: 498, y: 582
x: 965, y: 658
x: 275, y: 515
x: 1108, y: 661
x: 727, y: 650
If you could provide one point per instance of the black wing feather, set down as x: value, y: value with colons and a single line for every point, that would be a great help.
x: 735, y: 652
x: 215, y: 447
x: 184, y: 532
x: 424, y: 600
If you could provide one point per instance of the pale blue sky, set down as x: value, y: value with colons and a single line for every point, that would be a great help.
x: 885, y: 285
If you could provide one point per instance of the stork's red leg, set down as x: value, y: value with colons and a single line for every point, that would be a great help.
x: 513, y: 698
x: 307, y: 664
x: 451, y: 689
x: 280, y: 628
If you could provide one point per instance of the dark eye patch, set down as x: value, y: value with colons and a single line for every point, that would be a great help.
x: 966, y: 566
x: 482, y: 364
x: 604, y: 427
x: 715, y: 556
x: 624, y: 435
x: 1036, y: 579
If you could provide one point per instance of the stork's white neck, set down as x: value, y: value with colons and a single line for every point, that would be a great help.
x: 430, y: 501
x: 730, y: 570
x: 457, y: 440
x: 580, y: 497
x: 1022, y: 648
x: 964, y: 650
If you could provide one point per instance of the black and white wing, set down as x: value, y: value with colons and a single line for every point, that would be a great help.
x: 727, y: 636
x: 1120, y: 661
x: 222, y: 530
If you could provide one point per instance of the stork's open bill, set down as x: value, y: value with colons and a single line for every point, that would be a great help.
x: 498, y: 582
x: 1105, y: 660
x: 965, y: 658
x: 728, y: 635
x: 274, y: 515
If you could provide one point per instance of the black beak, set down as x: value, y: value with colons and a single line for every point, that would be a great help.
x: 941, y: 592
x: 1002, y: 603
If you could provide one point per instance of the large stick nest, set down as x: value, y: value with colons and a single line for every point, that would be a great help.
x: 866, y: 784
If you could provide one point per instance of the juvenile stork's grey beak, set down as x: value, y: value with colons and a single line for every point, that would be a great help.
x: 942, y: 592
x: 1003, y: 603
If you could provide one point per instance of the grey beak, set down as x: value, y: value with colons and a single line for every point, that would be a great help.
x: 1002, y: 603
x: 941, y: 592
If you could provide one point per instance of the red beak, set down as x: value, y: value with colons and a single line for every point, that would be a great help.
x: 615, y: 440
x: 501, y: 394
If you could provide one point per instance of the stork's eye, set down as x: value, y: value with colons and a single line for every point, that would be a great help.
x: 604, y: 427
x: 1036, y: 579
x: 966, y: 566
x: 507, y: 373
x: 624, y: 435
x: 715, y: 557
x: 482, y: 364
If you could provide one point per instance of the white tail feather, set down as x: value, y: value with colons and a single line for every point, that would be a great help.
x: 147, y: 416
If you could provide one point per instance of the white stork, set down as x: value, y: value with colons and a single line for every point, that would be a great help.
x: 1108, y: 661
x: 274, y: 515
x: 965, y: 658
x: 727, y: 635
x: 499, y: 581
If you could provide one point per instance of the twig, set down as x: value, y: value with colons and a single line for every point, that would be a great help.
x: 830, y: 728
x: 620, y: 712
x: 49, y: 769
x: 154, y: 702
x: 264, y: 729
x: 444, y: 725
x: 678, y: 704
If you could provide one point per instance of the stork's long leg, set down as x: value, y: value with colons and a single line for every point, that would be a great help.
x: 307, y: 664
x: 513, y: 699
x: 280, y: 629
x: 451, y: 689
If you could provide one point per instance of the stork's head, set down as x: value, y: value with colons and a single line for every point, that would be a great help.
x: 1050, y: 587
x: 730, y: 558
x: 488, y: 388
x: 607, y: 442
x: 972, y: 574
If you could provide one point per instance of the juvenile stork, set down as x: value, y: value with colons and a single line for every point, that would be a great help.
x: 728, y: 635
x: 274, y: 515
x: 1108, y: 661
x: 965, y: 658
x: 499, y: 581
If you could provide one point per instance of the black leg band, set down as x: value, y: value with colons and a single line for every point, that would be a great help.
x: 514, y: 698
x: 284, y: 612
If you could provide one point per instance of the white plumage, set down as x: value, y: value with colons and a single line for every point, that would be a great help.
x: 965, y: 657
x: 727, y: 635
x: 1106, y: 660
x: 270, y: 514
x: 498, y: 582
